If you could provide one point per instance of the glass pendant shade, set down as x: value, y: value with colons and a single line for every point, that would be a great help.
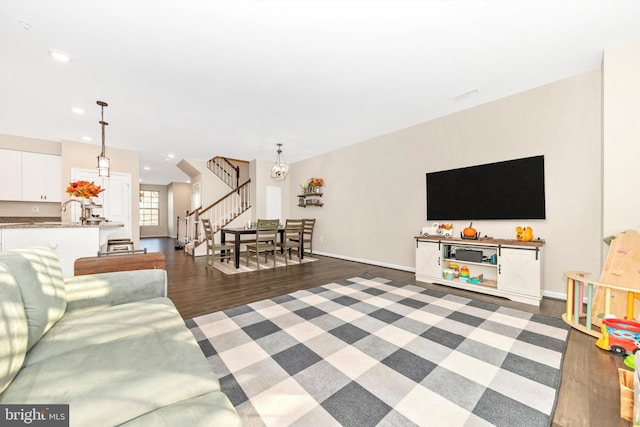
x: 280, y: 168
x: 103, y: 165
x: 279, y: 171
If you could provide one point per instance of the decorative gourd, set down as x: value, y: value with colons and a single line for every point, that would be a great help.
x: 469, y: 231
x: 524, y: 234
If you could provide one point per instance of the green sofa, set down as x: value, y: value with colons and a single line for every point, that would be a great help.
x: 112, y: 346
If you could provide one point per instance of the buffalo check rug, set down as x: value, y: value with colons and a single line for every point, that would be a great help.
x: 369, y: 351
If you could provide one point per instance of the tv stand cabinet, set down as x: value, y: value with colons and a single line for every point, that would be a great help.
x: 515, y: 273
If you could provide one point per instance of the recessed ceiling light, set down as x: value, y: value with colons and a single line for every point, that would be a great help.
x: 78, y: 110
x: 146, y: 168
x: 87, y: 138
x: 59, y: 55
x: 171, y: 156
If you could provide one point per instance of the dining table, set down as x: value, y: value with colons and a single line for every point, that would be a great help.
x: 237, y: 233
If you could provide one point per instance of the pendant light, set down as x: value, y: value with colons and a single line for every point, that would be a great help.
x: 280, y: 168
x: 103, y: 160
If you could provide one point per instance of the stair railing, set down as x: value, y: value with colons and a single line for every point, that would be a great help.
x: 221, y: 212
x: 224, y: 169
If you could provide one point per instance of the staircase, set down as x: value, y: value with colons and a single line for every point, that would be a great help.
x: 223, y: 211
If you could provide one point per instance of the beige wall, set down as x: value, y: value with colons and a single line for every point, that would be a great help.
x: 621, y: 135
x: 374, y: 193
x: 160, y: 230
x: 260, y: 174
x: 33, y: 145
x: 178, y: 201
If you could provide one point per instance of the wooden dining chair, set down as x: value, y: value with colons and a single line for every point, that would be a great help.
x: 266, y: 237
x: 292, y: 239
x: 224, y: 251
x: 307, y: 233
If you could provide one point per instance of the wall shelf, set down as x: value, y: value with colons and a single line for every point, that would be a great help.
x: 310, y: 199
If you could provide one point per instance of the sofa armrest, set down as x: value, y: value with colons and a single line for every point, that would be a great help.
x: 101, y: 290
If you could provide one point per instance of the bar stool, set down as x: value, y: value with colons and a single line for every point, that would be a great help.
x: 114, y: 245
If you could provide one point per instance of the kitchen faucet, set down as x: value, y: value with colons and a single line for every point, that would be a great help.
x: 64, y: 205
x: 86, y: 212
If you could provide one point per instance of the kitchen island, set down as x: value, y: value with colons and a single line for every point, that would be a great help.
x: 70, y: 240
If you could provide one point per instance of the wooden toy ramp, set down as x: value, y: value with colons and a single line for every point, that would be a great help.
x: 617, y: 292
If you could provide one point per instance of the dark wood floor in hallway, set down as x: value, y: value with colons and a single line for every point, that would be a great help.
x: 589, y: 393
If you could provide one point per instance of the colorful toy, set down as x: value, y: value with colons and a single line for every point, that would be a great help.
x: 476, y: 279
x: 630, y: 361
x: 524, y: 234
x: 441, y: 230
x: 619, y: 336
x: 464, y: 272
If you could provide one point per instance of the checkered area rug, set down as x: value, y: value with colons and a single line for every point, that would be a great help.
x: 229, y: 267
x: 369, y: 351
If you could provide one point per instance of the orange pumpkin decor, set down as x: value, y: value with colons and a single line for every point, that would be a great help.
x: 470, y: 231
x: 524, y: 234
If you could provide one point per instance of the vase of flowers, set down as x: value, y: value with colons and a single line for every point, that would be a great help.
x: 314, y: 185
x: 84, y: 189
x: 83, y: 192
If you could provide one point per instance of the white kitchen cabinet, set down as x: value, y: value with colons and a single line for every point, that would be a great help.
x: 10, y: 175
x: 69, y: 244
x: 509, y: 268
x: 41, y: 177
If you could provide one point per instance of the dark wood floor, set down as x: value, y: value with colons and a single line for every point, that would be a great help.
x: 589, y: 393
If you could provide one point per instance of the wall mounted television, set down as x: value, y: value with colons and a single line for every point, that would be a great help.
x: 512, y: 189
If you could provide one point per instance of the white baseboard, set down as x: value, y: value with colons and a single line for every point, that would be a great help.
x: 549, y: 294
x: 366, y: 261
x: 555, y: 295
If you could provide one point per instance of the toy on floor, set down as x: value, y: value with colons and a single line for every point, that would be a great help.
x: 630, y: 361
x: 619, y: 336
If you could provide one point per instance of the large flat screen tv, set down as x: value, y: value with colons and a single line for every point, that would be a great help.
x: 513, y: 189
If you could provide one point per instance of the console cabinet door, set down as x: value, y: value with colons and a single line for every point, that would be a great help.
x: 428, y: 258
x: 519, y: 271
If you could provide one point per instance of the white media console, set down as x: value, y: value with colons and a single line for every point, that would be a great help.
x: 510, y: 268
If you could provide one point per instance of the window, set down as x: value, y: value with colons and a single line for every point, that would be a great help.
x: 149, y: 207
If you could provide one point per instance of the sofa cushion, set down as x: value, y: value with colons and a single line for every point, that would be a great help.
x: 85, y: 329
x: 13, y: 328
x: 212, y: 409
x: 117, y: 381
x: 39, y: 277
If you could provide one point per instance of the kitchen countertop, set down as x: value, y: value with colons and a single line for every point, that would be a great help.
x: 60, y: 224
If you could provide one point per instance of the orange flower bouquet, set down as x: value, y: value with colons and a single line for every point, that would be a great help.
x: 316, y: 182
x: 84, y: 189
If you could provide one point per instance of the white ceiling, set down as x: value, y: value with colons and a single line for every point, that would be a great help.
x: 197, y: 78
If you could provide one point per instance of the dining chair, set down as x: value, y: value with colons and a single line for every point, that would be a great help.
x: 226, y: 250
x: 307, y: 233
x: 266, y: 236
x: 291, y: 238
